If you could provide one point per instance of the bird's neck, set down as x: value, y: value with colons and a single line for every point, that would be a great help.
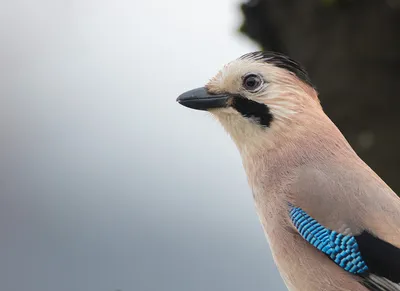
x: 272, y: 170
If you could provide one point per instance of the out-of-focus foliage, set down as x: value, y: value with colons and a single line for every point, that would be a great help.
x: 351, y: 50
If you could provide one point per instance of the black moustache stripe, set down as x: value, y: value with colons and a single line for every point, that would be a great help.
x: 258, y: 112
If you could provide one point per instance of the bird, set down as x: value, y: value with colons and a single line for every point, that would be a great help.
x: 331, y: 222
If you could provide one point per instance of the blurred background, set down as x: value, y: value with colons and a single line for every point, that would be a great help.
x: 107, y: 184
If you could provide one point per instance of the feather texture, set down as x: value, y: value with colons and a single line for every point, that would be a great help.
x: 342, y: 231
x: 342, y: 249
x: 375, y: 260
x: 382, y: 258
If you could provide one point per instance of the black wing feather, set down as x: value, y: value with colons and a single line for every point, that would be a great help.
x: 383, y: 261
x: 381, y: 257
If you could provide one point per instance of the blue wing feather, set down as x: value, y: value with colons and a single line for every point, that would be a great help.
x: 342, y: 249
x: 374, y: 260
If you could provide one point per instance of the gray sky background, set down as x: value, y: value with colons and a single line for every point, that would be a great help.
x: 106, y: 183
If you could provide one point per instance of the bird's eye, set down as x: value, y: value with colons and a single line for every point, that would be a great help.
x: 252, y: 82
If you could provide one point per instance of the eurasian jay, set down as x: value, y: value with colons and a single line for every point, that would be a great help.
x: 331, y: 222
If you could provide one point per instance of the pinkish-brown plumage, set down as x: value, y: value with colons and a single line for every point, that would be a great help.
x: 302, y: 159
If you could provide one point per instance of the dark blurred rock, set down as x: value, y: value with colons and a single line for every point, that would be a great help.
x: 351, y: 50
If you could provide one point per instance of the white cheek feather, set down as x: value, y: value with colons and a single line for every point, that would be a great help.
x: 284, y: 100
x: 281, y: 113
x: 245, y: 132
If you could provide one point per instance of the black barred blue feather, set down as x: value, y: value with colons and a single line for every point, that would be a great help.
x: 377, y: 262
x: 342, y: 249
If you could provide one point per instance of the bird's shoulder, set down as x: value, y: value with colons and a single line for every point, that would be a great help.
x: 347, y: 196
x: 348, y: 213
x: 375, y: 261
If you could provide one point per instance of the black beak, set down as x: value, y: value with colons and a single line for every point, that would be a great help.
x: 200, y: 99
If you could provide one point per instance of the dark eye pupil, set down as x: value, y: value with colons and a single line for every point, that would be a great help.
x: 252, y: 82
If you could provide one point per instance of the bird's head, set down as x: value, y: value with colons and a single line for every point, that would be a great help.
x: 258, y: 98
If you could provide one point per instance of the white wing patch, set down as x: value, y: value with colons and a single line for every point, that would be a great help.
x: 382, y: 283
